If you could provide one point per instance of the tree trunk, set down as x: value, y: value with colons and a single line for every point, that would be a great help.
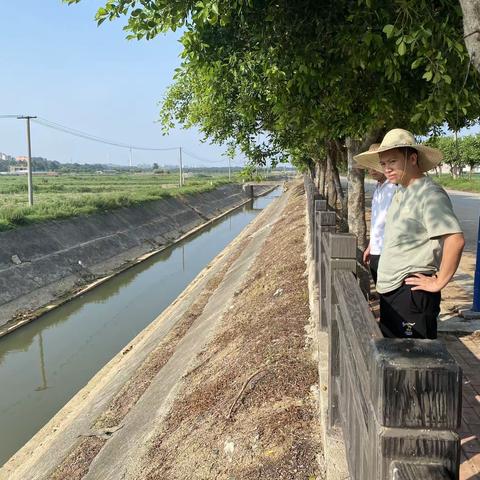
x: 316, y: 181
x: 356, y: 196
x: 311, y: 169
x: 320, y: 174
x: 334, y: 156
x: 341, y: 157
x: 471, y: 29
x: 327, y: 179
x: 332, y: 192
x: 321, y: 181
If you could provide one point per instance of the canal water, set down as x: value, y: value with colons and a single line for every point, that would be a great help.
x: 43, y: 364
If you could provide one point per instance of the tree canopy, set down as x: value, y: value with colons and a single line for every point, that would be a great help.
x: 458, y: 153
x: 281, y: 78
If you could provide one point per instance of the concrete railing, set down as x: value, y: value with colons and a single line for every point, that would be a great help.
x: 397, y: 401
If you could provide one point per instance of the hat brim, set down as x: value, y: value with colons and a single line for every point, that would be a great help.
x: 428, y: 157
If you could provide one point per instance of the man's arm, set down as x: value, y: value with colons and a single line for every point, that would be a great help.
x: 452, y: 251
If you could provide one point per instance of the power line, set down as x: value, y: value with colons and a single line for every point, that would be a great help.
x: 200, y: 159
x: 94, y: 138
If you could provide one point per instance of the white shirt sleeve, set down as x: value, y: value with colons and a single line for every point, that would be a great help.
x: 382, y: 197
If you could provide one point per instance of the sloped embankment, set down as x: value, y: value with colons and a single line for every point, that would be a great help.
x: 223, y: 392
x: 246, y: 410
x: 46, y: 261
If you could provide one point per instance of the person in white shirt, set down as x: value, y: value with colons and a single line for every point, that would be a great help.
x: 382, y: 197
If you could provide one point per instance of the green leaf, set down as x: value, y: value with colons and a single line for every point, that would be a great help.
x: 428, y: 75
x: 447, y: 79
x: 417, y: 63
x: 459, y: 47
x: 402, y: 49
x: 388, y: 30
x: 416, y: 117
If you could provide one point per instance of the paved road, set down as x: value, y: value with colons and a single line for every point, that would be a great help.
x: 467, y: 209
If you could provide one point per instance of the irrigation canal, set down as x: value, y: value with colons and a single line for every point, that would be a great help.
x: 43, y: 364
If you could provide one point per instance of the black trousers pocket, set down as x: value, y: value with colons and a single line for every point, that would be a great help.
x: 409, y: 314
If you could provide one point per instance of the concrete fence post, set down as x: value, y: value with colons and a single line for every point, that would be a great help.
x: 324, y: 223
x: 320, y: 206
x: 341, y: 255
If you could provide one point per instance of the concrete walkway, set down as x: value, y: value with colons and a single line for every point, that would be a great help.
x: 466, y: 351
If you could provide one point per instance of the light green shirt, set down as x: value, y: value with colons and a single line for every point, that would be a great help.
x: 418, y: 215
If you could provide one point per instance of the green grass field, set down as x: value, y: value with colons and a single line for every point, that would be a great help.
x: 71, y: 195
x: 463, y: 183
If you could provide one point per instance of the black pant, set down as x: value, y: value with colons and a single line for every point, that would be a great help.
x: 374, y: 259
x: 409, y: 314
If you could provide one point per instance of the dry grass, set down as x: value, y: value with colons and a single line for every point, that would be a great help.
x: 246, y: 410
x: 76, y: 464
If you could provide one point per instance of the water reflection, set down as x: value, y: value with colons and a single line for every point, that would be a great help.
x: 43, y: 364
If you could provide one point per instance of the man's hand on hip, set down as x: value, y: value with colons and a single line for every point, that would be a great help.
x: 424, y: 282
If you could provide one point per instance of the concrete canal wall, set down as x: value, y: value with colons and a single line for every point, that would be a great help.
x: 42, y: 263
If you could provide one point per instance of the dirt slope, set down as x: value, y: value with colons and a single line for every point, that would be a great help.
x: 246, y: 411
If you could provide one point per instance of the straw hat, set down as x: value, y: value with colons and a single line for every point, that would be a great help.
x: 428, y: 157
x: 372, y: 148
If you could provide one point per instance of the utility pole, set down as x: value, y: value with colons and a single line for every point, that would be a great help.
x: 229, y: 169
x: 181, y: 168
x: 29, y: 161
x: 131, y: 158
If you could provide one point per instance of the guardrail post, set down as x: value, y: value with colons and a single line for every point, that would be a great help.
x: 418, y: 471
x: 320, y: 206
x: 315, y: 197
x: 416, y: 391
x: 311, y: 193
x: 341, y: 255
x: 324, y: 223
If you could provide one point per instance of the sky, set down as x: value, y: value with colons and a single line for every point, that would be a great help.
x: 56, y: 63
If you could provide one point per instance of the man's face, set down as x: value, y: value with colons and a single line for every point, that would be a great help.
x: 376, y: 175
x: 397, y: 167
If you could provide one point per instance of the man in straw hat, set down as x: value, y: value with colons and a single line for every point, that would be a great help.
x: 381, y: 199
x: 423, y: 240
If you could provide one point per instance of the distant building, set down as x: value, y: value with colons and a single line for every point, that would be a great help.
x: 21, y: 158
x: 17, y: 170
x: 6, y: 157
